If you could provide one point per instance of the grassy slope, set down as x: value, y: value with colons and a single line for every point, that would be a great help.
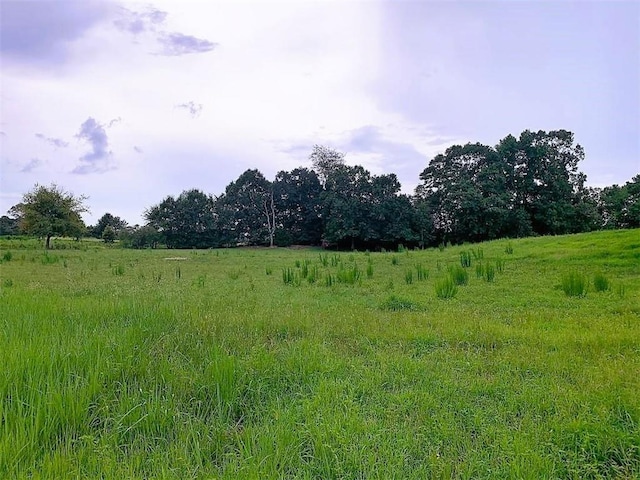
x: 123, y: 364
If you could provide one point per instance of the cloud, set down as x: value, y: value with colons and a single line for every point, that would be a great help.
x: 113, y: 122
x: 175, y: 44
x: 56, y: 142
x: 98, y: 160
x: 31, y: 165
x: 2, y: 134
x: 193, y: 108
x: 139, y: 22
x: 41, y: 31
x: 137, y: 149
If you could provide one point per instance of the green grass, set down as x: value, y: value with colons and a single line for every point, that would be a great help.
x: 209, y: 368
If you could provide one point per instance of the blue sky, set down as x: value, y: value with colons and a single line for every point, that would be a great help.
x: 129, y: 102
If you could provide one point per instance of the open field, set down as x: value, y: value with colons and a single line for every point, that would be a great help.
x: 135, y: 364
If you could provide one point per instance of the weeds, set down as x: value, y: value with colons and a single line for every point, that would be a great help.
x: 508, y: 249
x: 465, y: 259
x: 408, y: 277
x: 459, y: 275
x: 600, y: 283
x: 489, y: 273
x: 394, y: 303
x: 7, y: 256
x: 422, y: 272
x: 446, y: 288
x: 574, y: 284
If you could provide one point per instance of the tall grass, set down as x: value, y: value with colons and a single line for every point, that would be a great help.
x: 225, y: 372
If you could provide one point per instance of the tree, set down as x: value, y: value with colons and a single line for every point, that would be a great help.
x: 297, y: 203
x: 325, y: 160
x: 107, y: 220
x: 247, y: 213
x: 620, y: 205
x: 49, y: 211
x: 8, y: 226
x: 109, y: 234
x: 188, y: 221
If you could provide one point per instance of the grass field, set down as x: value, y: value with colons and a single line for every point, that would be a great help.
x: 285, y: 363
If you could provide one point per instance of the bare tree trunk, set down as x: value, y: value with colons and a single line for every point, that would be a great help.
x: 270, y: 213
x: 47, y: 244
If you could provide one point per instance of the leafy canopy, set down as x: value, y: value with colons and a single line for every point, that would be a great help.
x: 49, y: 211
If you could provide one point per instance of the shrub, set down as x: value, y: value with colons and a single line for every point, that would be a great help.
x: 601, y: 283
x: 446, y: 288
x: 574, y: 284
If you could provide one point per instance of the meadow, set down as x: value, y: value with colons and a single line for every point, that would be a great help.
x: 506, y: 359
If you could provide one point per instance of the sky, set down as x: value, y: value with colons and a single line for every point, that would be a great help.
x: 129, y: 102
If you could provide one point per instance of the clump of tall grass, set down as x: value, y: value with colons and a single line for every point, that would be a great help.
x: 408, y: 277
x: 446, y: 288
x: 601, y: 283
x: 268, y: 270
x: 335, y: 260
x: 499, y: 265
x: 479, y: 270
x: 7, y: 256
x: 465, y: 259
x: 290, y: 276
x: 489, y: 273
x: 312, y: 274
x: 348, y: 275
x: 478, y: 253
x: 422, y: 272
x: 394, y: 260
x: 369, y: 269
x: 395, y: 304
x: 401, y: 248
x: 118, y: 270
x: 324, y: 259
x: 329, y: 280
x: 508, y: 249
x: 574, y: 284
x: 459, y: 275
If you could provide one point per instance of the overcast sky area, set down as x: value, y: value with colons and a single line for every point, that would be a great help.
x: 130, y: 102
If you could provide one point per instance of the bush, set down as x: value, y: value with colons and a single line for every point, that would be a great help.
x: 574, y: 284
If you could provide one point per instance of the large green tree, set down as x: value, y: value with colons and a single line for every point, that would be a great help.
x: 297, y: 205
x: 620, y: 205
x: 107, y: 220
x: 187, y: 221
x: 50, y: 211
x: 247, y: 210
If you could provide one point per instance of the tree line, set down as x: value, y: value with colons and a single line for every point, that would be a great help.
x: 524, y: 186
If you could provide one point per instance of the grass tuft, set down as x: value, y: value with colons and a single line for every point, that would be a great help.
x: 574, y: 284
